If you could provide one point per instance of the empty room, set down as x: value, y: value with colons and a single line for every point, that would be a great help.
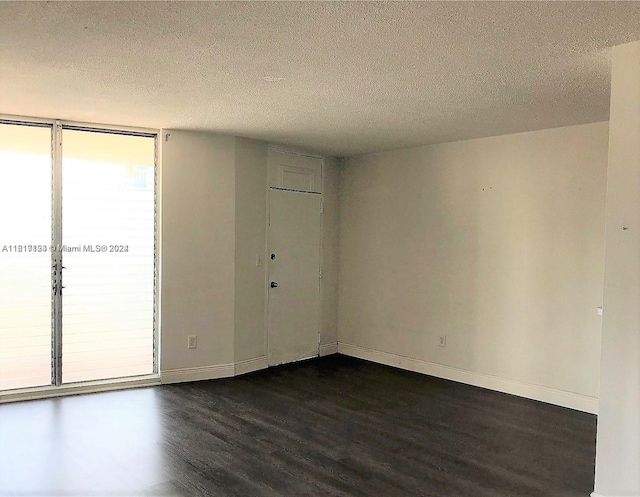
x: 320, y: 249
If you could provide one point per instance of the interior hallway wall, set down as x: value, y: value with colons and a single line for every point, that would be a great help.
x: 251, y: 233
x: 618, y: 447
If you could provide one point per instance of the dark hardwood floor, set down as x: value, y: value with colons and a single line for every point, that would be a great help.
x: 331, y: 426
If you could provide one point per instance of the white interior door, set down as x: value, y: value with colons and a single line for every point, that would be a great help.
x: 294, y: 275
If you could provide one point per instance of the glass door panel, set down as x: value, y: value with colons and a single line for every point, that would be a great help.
x: 108, y: 252
x: 25, y: 256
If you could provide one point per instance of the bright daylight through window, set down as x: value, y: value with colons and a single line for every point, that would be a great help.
x: 77, y: 290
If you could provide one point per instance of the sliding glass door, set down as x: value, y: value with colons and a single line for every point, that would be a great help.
x: 77, y: 281
x: 108, y: 255
x: 25, y: 259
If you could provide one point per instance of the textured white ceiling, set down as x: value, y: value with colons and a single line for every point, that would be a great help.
x: 356, y: 77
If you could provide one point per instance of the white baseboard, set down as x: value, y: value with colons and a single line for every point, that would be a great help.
x: 593, y: 494
x: 328, y: 349
x: 212, y: 372
x: 196, y: 374
x: 527, y: 390
x: 250, y: 365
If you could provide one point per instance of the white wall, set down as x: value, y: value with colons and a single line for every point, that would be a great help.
x: 214, y: 191
x: 251, y: 208
x: 618, y: 447
x: 198, y: 249
x: 330, y: 249
x: 496, y: 243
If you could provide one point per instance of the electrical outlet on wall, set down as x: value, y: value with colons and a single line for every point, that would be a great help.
x: 193, y: 342
x: 442, y: 341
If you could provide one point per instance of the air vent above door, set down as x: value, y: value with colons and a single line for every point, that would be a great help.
x: 294, y: 172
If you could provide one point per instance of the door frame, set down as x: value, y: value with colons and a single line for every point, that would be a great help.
x: 288, y: 151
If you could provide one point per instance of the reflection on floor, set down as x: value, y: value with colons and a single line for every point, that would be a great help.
x: 331, y: 426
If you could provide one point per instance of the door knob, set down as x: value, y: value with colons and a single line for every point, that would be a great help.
x: 274, y: 284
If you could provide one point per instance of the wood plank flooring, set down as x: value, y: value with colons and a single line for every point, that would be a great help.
x: 334, y: 426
